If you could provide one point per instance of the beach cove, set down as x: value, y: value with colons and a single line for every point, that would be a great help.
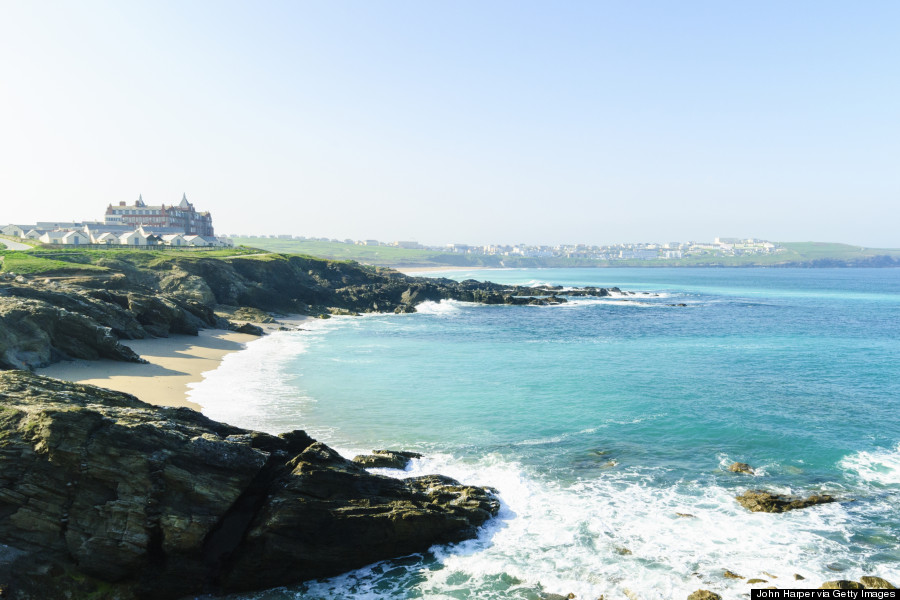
x: 608, y: 425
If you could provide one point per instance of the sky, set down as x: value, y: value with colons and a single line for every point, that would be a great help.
x: 460, y: 122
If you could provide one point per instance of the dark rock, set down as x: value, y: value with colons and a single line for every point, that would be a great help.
x: 763, y: 501
x: 729, y: 575
x: 250, y: 329
x: 739, y: 467
x: 799, y: 577
x: 386, y: 459
x: 151, y: 502
x: 841, y: 584
x: 876, y: 583
x: 752, y: 581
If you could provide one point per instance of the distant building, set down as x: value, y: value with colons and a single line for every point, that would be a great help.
x: 182, y: 217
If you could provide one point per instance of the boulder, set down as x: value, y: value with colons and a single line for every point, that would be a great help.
x: 876, y: 583
x: 842, y: 584
x: 386, y: 459
x: 739, y: 467
x: 763, y: 501
x: 250, y: 329
x: 151, y: 502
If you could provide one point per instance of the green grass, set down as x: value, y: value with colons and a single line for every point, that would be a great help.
x: 25, y: 263
x: 64, y: 261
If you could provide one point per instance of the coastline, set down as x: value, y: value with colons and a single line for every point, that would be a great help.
x: 407, y: 270
x: 172, y: 364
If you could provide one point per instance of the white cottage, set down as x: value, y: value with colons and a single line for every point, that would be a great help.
x: 133, y: 238
x: 75, y: 238
x: 174, y: 239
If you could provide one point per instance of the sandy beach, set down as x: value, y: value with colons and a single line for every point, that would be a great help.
x: 174, y: 362
x: 412, y: 270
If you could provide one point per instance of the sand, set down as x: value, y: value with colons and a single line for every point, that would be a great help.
x: 174, y: 362
x: 425, y: 269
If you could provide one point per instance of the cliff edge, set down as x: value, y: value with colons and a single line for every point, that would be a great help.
x: 103, y: 494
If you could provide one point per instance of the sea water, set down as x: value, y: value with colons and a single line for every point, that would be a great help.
x: 607, y: 425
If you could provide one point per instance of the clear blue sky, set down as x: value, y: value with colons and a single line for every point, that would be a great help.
x: 473, y: 122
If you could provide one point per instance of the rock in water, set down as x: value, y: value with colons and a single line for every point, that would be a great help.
x: 739, y: 467
x: 386, y: 459
x: 156, y: 502
x: 763, y: 501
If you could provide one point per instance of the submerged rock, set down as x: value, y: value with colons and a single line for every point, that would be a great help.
x: 386, y: 459
x: 151, y: 502
x: 763, y: 501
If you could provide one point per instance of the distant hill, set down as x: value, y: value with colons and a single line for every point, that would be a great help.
x: 793, y: 254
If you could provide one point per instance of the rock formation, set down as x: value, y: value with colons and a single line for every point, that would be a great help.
x: 44, y: 320
x: 763, y: 501
x: 386, y: 459
x: 99, y: 491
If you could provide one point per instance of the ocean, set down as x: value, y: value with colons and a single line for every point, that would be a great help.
x: 607, y: 425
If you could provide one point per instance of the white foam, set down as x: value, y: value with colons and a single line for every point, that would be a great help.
x: 250, y: 388
x: 441, y: 308
x: 604, y: 535
x: 880, y: 466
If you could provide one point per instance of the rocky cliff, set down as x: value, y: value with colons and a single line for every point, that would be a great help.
x: 102, y: 495
x: 46, y: 319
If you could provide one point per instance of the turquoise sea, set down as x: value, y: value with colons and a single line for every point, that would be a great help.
x: 600, y: 420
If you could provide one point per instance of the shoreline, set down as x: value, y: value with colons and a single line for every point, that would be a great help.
x: 172, y: 364
x: 429, y: 269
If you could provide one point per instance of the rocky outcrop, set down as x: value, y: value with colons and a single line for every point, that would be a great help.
x: 386, y: 459
x: 842, y: 584
x: 34, y: 333
x: 101, y: 489
x: 763, y: 501
x: 137, y: 297
x: 876, y: 583
x: 42, y: 323
x: 739, y: 467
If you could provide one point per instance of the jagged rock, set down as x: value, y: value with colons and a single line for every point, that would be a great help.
x: 876, y: 583
x: 798, y: 577
x: 728, y: 574
x: 756, y: 580
x: 386, y: 459
x: 704, y: 595
x: 177, y: 294
x: 841, y: 584
x: 739, y: 467
x: 763, y: 501
x: 34, y: 334
x: 156, y: 502
x: 685, y: 515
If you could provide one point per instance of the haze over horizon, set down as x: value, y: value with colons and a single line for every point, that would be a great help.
x: 501, y: 122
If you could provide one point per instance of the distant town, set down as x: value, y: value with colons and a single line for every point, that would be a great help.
x: 720, y: 246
